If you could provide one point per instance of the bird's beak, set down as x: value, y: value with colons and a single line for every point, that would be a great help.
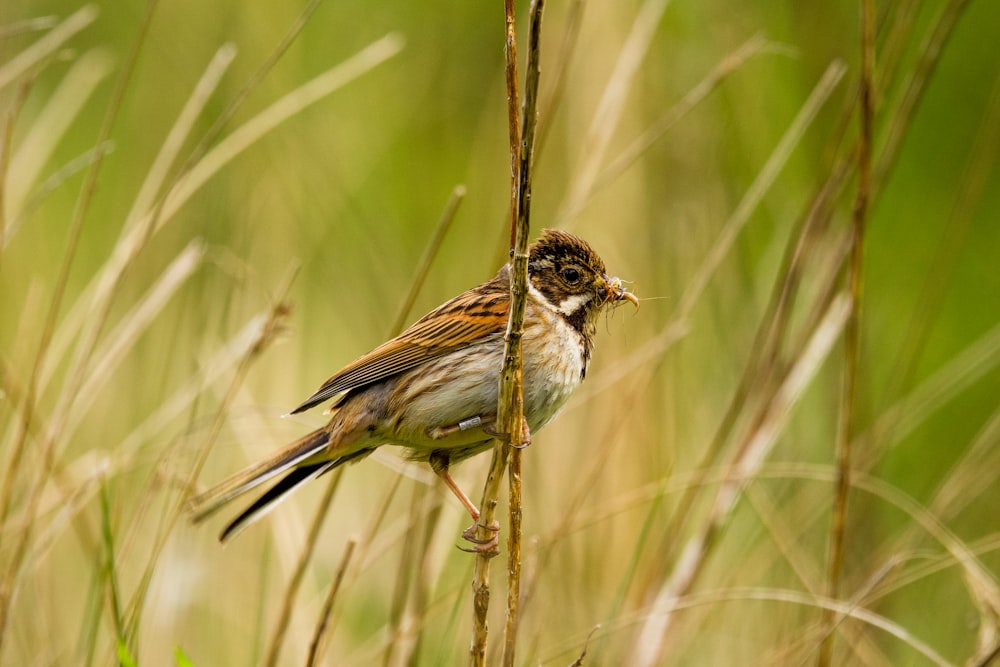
x: 616, y: 292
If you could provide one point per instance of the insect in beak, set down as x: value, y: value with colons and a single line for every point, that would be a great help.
x: 616, y: 292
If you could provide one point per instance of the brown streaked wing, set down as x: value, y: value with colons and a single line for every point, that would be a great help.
x: 467, y: 319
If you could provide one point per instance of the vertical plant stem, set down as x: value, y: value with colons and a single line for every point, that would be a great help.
x: 849, y: 399
x: 322, y: 627
x: 529, y: 122
x: 110, y: 571
x: 510, y: 407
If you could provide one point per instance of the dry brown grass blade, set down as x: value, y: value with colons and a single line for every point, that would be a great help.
x: 298, y: 574
x: 916, y: 84
x: 122, y: 338
x: 610, y: 107
x: 194, y: 178
x: 779, y: 595
x: 323, y: 628
x: 982, y: 584
x: 949, y: 251
x: 82, y: 381
x: 46, y: 130
x: 848, y: 427
x: 653, y: 637
x: 679, y: 324
x: 274, y: 324
x: 427, y: 259
x: 80, y: 214
x: 47, y: 45
x: 754, y: 46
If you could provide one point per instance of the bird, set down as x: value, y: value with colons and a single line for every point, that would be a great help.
x: 433, y: 388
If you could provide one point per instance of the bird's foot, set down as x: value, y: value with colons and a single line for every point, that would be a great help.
x: 492, y: 430
x: 489, y: 547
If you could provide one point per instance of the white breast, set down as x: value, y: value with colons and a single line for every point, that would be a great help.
x: 554, y: 361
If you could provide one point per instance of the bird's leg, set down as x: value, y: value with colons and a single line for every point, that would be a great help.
x: 439, y: 464
x: 439, y: 432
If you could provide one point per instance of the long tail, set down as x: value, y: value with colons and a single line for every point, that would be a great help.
x: 274, y: 495
x: 294, y: 458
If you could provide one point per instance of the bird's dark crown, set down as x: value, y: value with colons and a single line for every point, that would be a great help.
x: 569, y: 275
x: 557, y: 249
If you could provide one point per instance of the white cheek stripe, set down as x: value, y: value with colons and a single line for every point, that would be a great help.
x: 568, y: 306
x: 572, y: 304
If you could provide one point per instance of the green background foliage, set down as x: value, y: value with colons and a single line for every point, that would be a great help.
x: 350, y: 190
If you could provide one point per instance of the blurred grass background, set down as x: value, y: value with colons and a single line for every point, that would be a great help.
x: 108, y: 410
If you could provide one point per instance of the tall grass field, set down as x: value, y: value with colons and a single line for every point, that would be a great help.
x: 789, y: 455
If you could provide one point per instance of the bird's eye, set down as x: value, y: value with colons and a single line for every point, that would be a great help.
x: 570, y: 274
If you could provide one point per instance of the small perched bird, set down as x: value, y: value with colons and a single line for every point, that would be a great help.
x: 433, y: 388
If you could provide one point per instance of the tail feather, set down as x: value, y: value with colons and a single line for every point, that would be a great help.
x: 272, y: 496
x: 293, y: 456
x: 286, y: 485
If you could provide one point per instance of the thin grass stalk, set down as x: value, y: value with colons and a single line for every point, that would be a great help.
x: 6, y: 142
x: 90, y: 625
x: 553, y: 95
x: 950, y: 380
x: 46, y: 129
x: 611, y: 106
x: 424, y: 583
x: 899, y: 123
x: 529, y: 123
x: 231, y: 354
x: 678, y: 325
x: 109, y: 569
x: 251, y: 85
x: 417, y: 283
x: 35, y: 24
x: 975, y: 176
x: 315, y: 528
x: 145, y: 215
x: 193, y: 177
x: 409, y: 556
x: 48, y: 328
x: 784, y: 596
x: 817, y: 214
x: 849, y: 400
x: 47, y: 45
x: 52, y: 183
x: 940, y: 389
x: 729, y: 64
x: 323, y: 628
x: 278, y: 312
x: 961, y: 555
x: 694, y: 289
x: 762, y: 369
x: 132, y: 325
x: 510, y: 406
x: 427, y: 259
x: 653, y: 637
x: 106, y: 358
